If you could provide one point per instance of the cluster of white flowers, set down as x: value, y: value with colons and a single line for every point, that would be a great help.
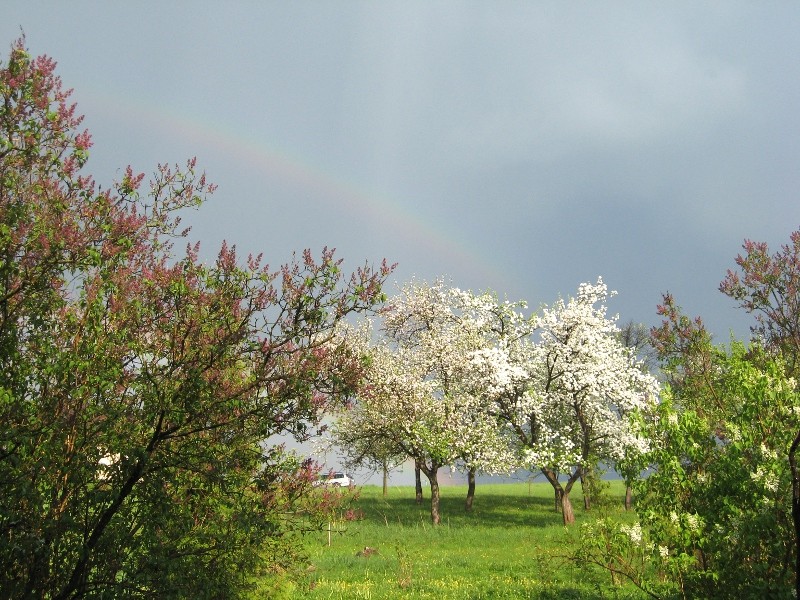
x: 694, y: 521
x: 106, y: 465
x: 633, y: 531
x: 766, y: 478
x: 768, y: 453
x: 497, y: 373
x: 587, y: 380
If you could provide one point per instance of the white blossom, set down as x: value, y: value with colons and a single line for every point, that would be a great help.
x: 468, y: 377
x: 634, y: 532
x: 693, y: 521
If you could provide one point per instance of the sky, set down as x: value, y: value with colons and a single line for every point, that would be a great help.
x: 517, y: 147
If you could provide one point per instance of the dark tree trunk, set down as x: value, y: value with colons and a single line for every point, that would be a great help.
x: 418, y: 482
x: 433, y: 478
x: 795, y: 510
x: 385, y: 480
x: 470, y: 489
x: 558, y: 491
x: 76, y: 586
x: 628, y: 495
x: 435, y: 515
x: 432, y: 473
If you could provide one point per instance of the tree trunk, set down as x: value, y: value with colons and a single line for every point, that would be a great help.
x: 628, y: 495
x: 562, y: 493
x: 566, y: 509
x: 470, y: 489
x: 795, y: 511
x: 566, y: 505
x: 433, y: 477
x: 552, y: 478
x: 385, y: 480
x: 418, y: 482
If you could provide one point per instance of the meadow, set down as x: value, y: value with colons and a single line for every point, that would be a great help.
x: 512, y: 545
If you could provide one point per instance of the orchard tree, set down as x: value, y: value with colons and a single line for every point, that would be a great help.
x: 637, y: 337
x: 140, y: 388
x: 362, y: 445
x: 566, y: 394
x: 415, y: 394
x: 505, y: 350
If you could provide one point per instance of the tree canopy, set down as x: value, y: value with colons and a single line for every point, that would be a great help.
x: 140, y: 386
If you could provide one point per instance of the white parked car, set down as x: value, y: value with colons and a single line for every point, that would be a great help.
x: 336, y: 478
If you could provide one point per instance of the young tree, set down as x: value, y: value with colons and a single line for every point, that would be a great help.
x: 637, y: 337
x: 139, y: 387
x: 364, y: 446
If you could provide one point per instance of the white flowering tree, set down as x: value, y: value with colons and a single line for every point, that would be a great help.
x: 565, y: 392
x: 416, y: 399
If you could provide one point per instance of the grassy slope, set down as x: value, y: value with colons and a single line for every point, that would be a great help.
x: 511, y: 546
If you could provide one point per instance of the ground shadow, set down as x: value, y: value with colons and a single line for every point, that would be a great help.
x: 490, y: 510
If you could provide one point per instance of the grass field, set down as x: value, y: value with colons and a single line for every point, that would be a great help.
x: 512, y: 545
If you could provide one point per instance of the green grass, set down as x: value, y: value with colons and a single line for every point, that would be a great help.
x: 512, y: 545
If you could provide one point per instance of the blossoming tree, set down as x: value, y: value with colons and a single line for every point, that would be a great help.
x: 565, y: 392
x: 416, y: 393
x: 139, y: 386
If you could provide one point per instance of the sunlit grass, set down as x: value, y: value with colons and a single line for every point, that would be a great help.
x: 512, y: 545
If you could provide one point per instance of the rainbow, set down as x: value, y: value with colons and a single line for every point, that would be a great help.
x: 314, y: 181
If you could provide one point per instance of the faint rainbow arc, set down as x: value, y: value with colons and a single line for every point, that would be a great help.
x: 326, y: 186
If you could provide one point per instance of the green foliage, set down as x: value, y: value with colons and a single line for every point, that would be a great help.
x: 597, y: 488
x: 140, y: 387
x: 716, y: 508
x: 721, y: 488
x: 721, y: 503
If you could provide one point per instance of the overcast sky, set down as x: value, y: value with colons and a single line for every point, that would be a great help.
x: 518, y: 147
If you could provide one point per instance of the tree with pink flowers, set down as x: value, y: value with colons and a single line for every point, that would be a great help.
x: 140, y: 387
